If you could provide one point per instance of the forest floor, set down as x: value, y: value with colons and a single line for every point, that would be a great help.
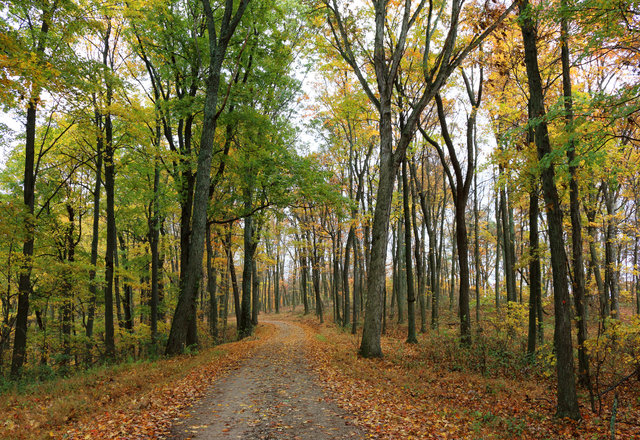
x: 272, y: 395
x: 411, y: 393
x: 139, y: 400
x: 297, y: 379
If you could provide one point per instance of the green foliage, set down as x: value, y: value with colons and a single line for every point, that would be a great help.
x: 616, y: 350
x: 510, y: 322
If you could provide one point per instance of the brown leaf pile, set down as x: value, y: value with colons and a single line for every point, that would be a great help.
x: 403, y: 397
x: 133, y: 402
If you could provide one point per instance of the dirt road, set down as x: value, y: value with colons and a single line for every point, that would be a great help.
x: 271, y: 396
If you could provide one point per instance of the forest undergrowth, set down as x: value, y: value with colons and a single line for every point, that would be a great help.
x: 126, y: 401
x: 437, y: 390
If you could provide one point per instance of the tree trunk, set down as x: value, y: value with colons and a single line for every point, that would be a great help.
x: 535, y: 291
x: 67, y: 304
x: 95, y: 238
x: 611, y: 298
x: 276, y: 282
x: 357, y: 289
x: 315, y: 275
x: 255, y: 291
x: 109, y: 186
x: 454, y: 257
x: 304, y: 278
x: 418, y: 252
x: 154, y: 239
x: 346, y: 307
x: 584, y: 377
x: 508, y: 248
x: 232, y: 272
x: 567, y: 405
x: 24, y: 280
x: 463, y: 260
x: 370, y: 344
x: 212, y: 287
x: 411, y: 297
x: 244, y: 326
x: 594, y: 261
x: 184, y: 316
x: 126, y: 287
x: 498, y: 241
x: 476, y: 233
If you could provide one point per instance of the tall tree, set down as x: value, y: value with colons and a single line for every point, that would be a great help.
x: 385, y: 64
x: 109, y: 185
x: 567, y: 405
x: 460, y: 185
x: 219, y: 39
x: 34, y: 39
x: 411, y: 296
x: 574, y: 206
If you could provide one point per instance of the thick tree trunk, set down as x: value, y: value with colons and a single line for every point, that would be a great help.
x: 463, y: 262
x: 567, y: 398
x: 370, y: 344
x: 184, y: 316
x: 28, y: 192
x: 24, y: 280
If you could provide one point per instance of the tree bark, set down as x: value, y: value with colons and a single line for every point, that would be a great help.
x: 411, y: 297
x: 154, y: 240
x: 126, y: 286
x: 584, y: 377
x: 535, y: 290
x: 95, y: 237
x: 346, y: 306
x: 185, y: 312
x: 28, y: 192
x: 315, y: 275
x: 567, y: 405
x: 245, y: 326
x: 611, y: 305
x: 109, y: 186
x: 212, y: 287
x: 508, y: 248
